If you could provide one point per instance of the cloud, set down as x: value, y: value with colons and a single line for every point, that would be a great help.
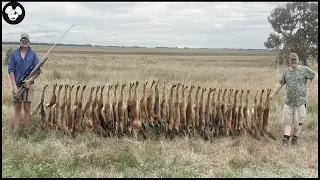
x: 150, y: 24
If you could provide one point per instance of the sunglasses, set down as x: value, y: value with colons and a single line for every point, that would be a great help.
x: 24, y: 41
x: 293, y: 61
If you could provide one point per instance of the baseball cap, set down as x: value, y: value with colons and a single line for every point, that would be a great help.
x: 293, y: 56
x: 24, y: 35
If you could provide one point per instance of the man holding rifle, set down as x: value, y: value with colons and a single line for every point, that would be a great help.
x: 21, y: 61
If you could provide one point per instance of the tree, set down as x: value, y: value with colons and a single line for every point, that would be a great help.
x: 296, y: 30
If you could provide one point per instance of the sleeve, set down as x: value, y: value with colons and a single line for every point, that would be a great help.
x: 11, y: 64
x: 282, y: 80
x: 309, y: 73
x: 35, y: 62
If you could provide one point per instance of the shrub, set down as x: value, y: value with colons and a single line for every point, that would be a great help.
x: 8, y: 53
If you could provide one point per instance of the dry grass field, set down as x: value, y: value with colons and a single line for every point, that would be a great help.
x: 56, y: 155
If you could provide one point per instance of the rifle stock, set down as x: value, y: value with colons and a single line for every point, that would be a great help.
x: 18, y: 96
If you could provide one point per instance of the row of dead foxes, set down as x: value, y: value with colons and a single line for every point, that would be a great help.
x: 167, y: 116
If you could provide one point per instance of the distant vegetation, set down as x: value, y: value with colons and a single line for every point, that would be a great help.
x: 47, y: 44
x: 8, y: 53
x: 295, y: 26
x: 90, y: 45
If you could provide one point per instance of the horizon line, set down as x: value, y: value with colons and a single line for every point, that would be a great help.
x: 119, y: 46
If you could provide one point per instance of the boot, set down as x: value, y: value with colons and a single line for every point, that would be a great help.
x: 285, y: 141
x: 294, y: 141
x: 16, y: 134
x: 26, y: 132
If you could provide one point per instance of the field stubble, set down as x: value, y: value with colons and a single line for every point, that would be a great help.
x: 55, y: 155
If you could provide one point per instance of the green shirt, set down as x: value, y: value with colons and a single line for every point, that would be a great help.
x: 296, y: 81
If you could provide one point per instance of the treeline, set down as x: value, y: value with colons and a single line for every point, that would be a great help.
x: 60, y: 44
x: 48, y: 44
x: 90, y: 45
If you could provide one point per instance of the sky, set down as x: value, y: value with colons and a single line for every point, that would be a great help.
x: 146, y: 24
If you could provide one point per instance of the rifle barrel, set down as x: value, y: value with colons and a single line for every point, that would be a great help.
x: 57, y: 42
x: 44, y: 57
x: 36, y: 68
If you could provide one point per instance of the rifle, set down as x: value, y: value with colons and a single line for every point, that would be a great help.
x: 26, y: 74
x: 30, y: 73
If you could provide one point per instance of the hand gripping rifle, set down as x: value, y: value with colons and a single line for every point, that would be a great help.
x: 31, y: 72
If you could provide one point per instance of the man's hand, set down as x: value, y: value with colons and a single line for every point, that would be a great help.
x: 15, y: 89
x: 28, y: 83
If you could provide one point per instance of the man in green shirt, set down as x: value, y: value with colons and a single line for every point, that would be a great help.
x: 294, y: 111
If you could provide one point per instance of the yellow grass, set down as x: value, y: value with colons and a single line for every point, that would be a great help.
x: 55, y: 155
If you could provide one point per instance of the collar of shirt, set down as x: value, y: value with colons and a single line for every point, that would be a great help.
x: 28, y: 50
x: 295, y: 69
